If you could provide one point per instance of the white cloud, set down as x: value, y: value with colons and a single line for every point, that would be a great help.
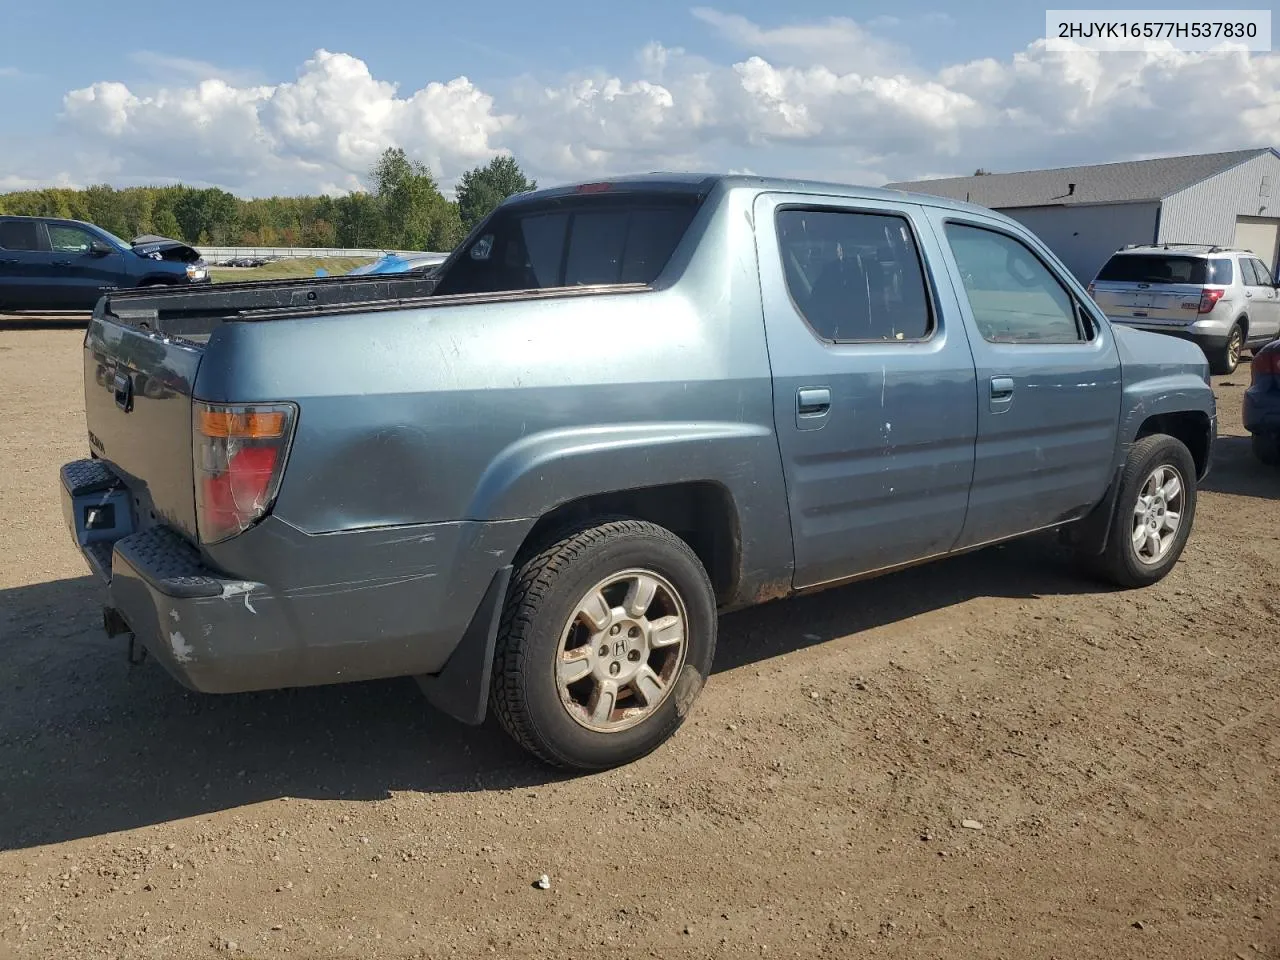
x: 166, y: 67
x: 323, y: 129
x: 10, y: 72
x: 836, y: 42
x: 891, y: 22
x: 826, y: 99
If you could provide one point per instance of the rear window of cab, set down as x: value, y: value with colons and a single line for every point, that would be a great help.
x: 1155, y: 268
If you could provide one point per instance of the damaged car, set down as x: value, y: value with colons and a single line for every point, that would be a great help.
x: 48, y: 263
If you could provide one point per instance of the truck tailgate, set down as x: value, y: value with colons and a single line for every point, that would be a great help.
x: 138, y: 387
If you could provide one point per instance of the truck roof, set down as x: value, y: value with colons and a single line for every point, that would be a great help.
x: 667, y: 182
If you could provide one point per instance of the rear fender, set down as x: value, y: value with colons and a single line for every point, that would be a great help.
x: 541, y: 472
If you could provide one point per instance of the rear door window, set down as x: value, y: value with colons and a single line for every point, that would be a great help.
x: 854, y: 276
x: 1156, y: 269
x: 574, y: 241
x: 19, y: 235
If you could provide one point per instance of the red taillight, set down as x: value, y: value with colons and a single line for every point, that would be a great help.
x: 239, y: 453
x: 1209, y: 299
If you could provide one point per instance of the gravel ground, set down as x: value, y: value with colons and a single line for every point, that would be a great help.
x: 1121, y: 752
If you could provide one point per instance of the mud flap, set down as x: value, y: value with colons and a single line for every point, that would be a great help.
x: 1091, y: 532
x: 461, y: 688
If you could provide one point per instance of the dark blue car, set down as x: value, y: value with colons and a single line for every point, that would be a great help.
x: 1262, y: 404
x: 52, y: 264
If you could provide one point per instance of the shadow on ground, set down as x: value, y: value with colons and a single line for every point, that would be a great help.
x: 90, y: 745
x: 1237, y: 472
x: 43, y: 321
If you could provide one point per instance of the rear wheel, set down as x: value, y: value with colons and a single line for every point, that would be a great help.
x: 1226, y: 358
x: 1154, y: 513
x: 606, y: 639
x: 1266, y: 447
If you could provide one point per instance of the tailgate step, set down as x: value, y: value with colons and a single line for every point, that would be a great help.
x: 170, y: 563
x: 88, y: 476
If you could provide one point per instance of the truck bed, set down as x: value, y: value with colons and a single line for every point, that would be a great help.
x: 194, y: 314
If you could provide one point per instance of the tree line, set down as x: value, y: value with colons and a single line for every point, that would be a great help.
x: 404, y: 209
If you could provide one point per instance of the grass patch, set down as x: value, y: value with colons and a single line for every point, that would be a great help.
x: 287, y: 269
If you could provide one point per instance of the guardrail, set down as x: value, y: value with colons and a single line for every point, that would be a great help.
x: 215, y: 254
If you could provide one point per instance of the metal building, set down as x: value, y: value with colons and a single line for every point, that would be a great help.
x: 1084, y: 214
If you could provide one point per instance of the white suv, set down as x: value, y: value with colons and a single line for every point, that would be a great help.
x: 1223, y: 299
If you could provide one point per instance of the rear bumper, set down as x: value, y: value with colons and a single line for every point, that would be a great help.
x: 326, y: 609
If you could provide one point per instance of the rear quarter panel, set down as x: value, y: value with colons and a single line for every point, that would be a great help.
x: 503, y: 411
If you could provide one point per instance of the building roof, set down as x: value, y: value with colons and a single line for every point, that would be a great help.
x: 1128, y: 182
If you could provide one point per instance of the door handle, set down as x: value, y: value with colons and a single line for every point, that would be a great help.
x: 812, y: 401
x: 1001, y: 394
x: 1249, y: 294
x: 62, y: 263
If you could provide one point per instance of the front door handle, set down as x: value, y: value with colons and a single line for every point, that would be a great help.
x: 813, y: 401
x: 1001, y: 394
x: 62, y: 263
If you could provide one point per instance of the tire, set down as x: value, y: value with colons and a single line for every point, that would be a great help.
x: 1266, y: 447
x: 1120, y: 563
x: 571, y: 724
x: 1225, y: 359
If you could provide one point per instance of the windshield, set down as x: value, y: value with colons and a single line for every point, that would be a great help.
x: 114, y: 239
x: 573, y: 241
x: 1156, y: 268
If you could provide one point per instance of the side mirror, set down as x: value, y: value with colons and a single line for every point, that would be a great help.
x: 99, y: 249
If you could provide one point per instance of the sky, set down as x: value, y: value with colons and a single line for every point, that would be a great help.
x: 282, y: 97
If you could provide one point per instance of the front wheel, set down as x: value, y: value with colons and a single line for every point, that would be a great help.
x: 606, y: 639
x: 1154, y: 513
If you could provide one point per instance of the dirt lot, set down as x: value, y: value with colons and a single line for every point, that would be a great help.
x: 1122, y: 751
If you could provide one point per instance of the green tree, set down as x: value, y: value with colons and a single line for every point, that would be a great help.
x: 482, y: 189
x: 412, y: 213
x: 405, y: 210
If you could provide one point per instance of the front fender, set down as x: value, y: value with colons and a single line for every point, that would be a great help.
x: 1174, y: 394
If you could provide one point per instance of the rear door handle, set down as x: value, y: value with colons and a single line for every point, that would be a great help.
x: 1249, y: 294
x: 62, y: 263
x: 1001, y: 394
x: 812, y: 406
x: 813, y: 401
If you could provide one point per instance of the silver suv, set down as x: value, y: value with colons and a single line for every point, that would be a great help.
x: 1223, y: 299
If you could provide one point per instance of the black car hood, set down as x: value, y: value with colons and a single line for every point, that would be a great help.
x: 162, y: 248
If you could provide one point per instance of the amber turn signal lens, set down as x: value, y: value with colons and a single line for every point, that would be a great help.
x: 263, y: 425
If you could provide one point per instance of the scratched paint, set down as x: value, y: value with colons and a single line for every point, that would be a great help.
x: 240, y: 589
x: 183, y: 652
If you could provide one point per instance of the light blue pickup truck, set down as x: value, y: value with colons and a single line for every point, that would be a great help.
x: 533, y: 480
